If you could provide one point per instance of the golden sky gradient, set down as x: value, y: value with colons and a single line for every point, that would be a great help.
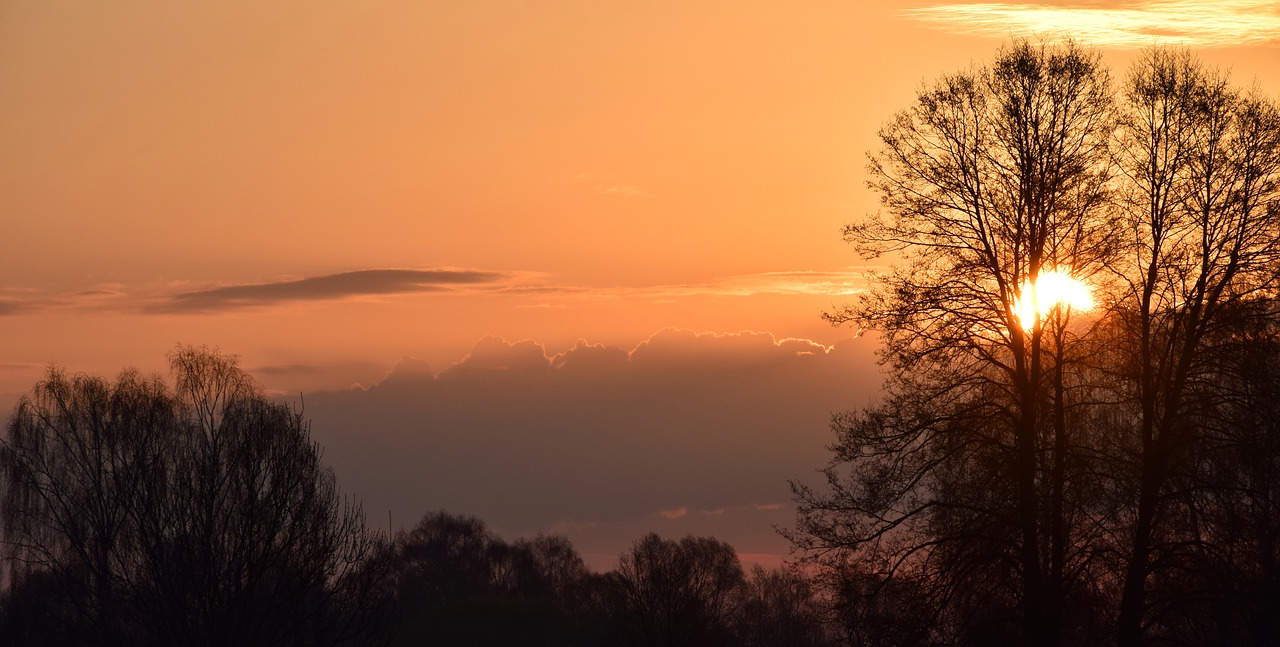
x: 325, y: 186
x: 609, y: 168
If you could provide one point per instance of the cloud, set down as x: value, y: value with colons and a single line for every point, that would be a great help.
x: 12, y: 307
x: 673, y: 514
x: 287, y: 369
x: 734, y: 351
x: 21, y: 366
x: 527, y: 439
x: 495, y: 354
x: 24, y: 301
x: 327, y: 287
x: 625, y: 191
x: 835, y: 283
x: 110, y: 291
x: 1203, y: 23
x: 605, y: 185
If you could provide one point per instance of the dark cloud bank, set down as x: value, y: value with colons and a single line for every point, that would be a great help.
x: 597, y: 442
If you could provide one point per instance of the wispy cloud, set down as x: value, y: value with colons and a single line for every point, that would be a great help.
x: 21, y: 366
x: 625, y: 190
x: 674, y: 514
x: 613, y: 186
x: 837, y: 283
x: 98, y: 293
x: 26, y: 301
x: 12, y: 307
x: 286, y: 369
x: 343, y: 285
x: 1203, y: 23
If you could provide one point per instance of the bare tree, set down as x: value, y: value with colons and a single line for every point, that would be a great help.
x: 673, y: 593
x: 1202, y: 164
x: 994, y: 178
x: 780, y: 607
x: 201, y: 517
x: 78, y: 453
x: 458, y: 584
x: 1084, y: 458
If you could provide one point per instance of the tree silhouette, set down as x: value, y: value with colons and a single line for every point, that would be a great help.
x: 780, y: 607
x: 673, y: 593
x: 1042, y: 474
x: 1202, y: 162
x: 75, y: 461
x: 992, y: 178
x: 201, y: 516
x: 458, y: 584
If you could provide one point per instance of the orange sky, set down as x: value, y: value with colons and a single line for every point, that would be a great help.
x: 228, y: 173
x: 616, y: 162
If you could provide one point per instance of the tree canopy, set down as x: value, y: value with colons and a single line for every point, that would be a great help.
x: 1038, y: 474
x: 198, y: 515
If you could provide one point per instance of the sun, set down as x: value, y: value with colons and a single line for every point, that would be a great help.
x: 1052, y: 289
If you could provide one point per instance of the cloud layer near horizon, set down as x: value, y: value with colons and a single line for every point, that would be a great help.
x: 685, y: 433
x: 1143, y: 23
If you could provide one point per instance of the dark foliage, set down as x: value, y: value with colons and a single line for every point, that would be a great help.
x: 137, y: 514
x: 458, y: 584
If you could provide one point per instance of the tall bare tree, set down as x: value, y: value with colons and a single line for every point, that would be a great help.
x: 1086, y: 458
x: 994, y: 177
x: 1202, y: 210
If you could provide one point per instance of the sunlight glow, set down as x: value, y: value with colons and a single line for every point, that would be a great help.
x: 1052, y: 289
x: 1137, y: 24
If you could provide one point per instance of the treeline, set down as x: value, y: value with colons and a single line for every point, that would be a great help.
x: 455, y: 583
x: 139, y: 514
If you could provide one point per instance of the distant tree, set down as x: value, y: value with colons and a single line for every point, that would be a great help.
x: 445, y: 557
x: 780, y: 607
x: 671, y: 593
x: 551, y: 564
x: 201, y: 516
x: 458, y: 584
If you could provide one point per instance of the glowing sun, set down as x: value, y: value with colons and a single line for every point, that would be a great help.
x: 1052, y: 289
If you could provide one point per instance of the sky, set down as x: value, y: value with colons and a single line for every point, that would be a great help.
x: 559, y: 264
